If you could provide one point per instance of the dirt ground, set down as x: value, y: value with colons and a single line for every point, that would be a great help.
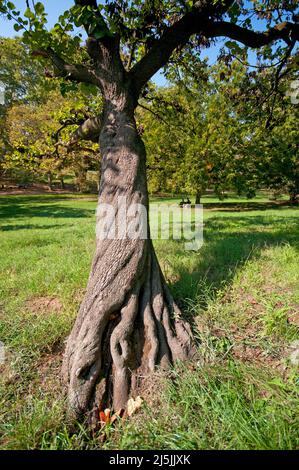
x: 34, y: 189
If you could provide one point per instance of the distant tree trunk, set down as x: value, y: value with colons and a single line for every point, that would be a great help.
x: 293, y: 193
x: 81, y: 180
x: 128, y: 322
x: 197, y: 197
x: 50, y: 181
x: 62, y: 185
x: 293, y: 196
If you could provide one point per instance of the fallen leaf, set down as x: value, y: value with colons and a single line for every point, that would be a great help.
x: 119, y: 414
x: 105, y: 416
x: 134, y: 405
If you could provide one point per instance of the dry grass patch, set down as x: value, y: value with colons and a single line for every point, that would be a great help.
x: 44, y: 305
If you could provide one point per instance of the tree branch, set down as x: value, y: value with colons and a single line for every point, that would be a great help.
x: 286, y: 31
x: 176, y: 35
x: 87, y: 3
x: 157, y: 116
x: 88, y: 130
x: 99, y: 27
x: 197, y: 21
x: 74, y: 72
x: 160, y: 118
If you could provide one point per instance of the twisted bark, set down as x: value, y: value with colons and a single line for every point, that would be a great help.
x: 128, y: 322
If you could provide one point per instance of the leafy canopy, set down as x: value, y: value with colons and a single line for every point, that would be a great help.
x: 149, y: 32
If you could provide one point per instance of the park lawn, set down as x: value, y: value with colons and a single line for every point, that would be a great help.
x: 240, y: 292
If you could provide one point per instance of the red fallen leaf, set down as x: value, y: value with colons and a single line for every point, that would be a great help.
x: 105, y: 416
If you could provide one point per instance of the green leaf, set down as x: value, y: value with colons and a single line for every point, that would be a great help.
x: 29, y: 14
x: 39, y: 8
x: 234, y: 47
x: 17, y: 27
x: 234, y: 12
x: 10, y: 6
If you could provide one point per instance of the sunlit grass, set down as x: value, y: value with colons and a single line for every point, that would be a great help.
x: 241, y: 290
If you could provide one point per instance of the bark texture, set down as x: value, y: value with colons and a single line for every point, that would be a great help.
x: 128, y: 322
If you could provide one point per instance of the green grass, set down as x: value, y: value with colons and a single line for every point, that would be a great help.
x: 240, y: 292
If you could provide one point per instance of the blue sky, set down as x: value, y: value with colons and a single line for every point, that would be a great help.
x: 55, y: 7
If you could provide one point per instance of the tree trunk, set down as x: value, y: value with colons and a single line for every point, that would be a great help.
x: 293, y: 193
x: 128, y: 322
x: 197, y: 197
x: 81, y: 176
x: 50, y: 185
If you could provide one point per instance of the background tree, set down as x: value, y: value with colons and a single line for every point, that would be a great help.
x: 23, y: 78
x: 262, y: 102
x: 276, y: 153
x: 40, y: 138
x: 128, y: 321
x: 21, y: 81
x: 196, y: 138
x: 38, y: 123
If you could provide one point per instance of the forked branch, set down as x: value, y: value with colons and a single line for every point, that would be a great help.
x: 197, y: 21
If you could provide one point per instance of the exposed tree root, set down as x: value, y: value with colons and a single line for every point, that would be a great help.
x: 119, y: 339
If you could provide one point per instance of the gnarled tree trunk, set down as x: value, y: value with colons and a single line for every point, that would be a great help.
x: 128, y: 322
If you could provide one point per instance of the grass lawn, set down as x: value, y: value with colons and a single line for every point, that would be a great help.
x: 240, y: 292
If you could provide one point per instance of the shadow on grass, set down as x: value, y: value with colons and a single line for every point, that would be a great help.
x: 228, y: 241
x: 228, y: 244
x: 27, y: 207
x: 9, y: 199
x: 12, y: 228
x: 248, y: 206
